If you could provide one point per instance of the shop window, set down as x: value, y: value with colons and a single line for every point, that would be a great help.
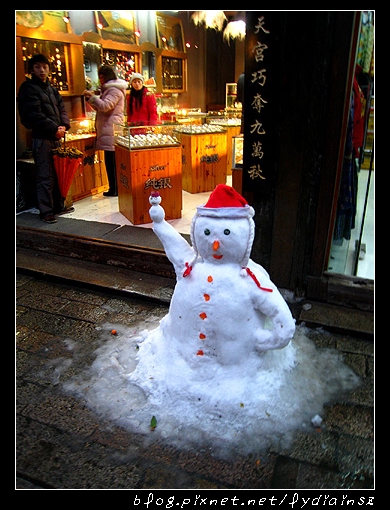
x: 56, y: 52
x: 148, y: 64
x: 353, y: 245
x: 124, y: 62
x: 172, y: 74
x: 92, y: 61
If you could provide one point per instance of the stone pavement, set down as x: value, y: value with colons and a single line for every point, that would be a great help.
x: 62, y: 444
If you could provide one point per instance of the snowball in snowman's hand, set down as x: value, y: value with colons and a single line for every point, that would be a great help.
x: 156, y: 212
x: 155, y: 198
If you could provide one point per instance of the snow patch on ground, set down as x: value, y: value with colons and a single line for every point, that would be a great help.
x: 204, y: 405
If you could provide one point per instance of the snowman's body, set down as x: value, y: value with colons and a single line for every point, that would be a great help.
x: 220, y: 310
x: 205, y: 320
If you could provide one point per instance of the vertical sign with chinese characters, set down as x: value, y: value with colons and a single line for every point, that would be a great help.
x: 260, y: 102
x: 257, y: 101
x: 262, y: 124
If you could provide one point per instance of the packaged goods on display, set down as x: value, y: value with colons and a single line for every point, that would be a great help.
x: 195, y: 130
x: 146, y: 141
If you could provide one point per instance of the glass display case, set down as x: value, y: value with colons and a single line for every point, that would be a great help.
x: 231, y: 104
x: 231, y: 95
x: 145, y: 137
x: 232, y: 124
x: 148, y: 159
x: 224, y: 120
x: 238, y: 151
x: 237, y: 161
x: 173, y: 74
x: 194, y: 128
x: 80, y: 129
x: 190, y: 116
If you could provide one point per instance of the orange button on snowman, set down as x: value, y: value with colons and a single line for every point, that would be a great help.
x: 225, y: 309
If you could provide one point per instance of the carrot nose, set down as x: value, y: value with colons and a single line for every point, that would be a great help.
x: 215, y: 245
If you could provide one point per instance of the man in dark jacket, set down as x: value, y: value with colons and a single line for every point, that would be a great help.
x: 42, y: 110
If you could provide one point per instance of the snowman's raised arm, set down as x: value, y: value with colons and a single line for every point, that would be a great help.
x: 177, y: 249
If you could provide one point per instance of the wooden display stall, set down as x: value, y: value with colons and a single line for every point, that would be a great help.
x: 90, y: 178
x: 204, y: 161
x: 142, y: 171
x: 233, y: 128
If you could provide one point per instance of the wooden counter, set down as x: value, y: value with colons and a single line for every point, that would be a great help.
x: 231, y: 131
x: 141, y: 171
x: 91, y: 177
x: 204, y: 161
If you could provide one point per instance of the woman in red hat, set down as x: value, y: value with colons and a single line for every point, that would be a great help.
x: 141, y: 103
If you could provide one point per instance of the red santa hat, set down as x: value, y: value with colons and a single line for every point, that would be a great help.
x: 226, y: 202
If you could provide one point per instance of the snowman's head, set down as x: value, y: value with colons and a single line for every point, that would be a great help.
x: 223, y: 229
x: 222, y: 240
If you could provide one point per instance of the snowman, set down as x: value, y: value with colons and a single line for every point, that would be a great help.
x: 225, y: 310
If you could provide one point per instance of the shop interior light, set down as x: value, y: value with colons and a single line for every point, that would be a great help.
x: 210, y: 19
x: 235, y: 26
x: 66, y: 19
x: 235, y: 30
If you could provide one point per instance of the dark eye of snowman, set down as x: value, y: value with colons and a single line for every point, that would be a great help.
x: 207, y: 231
x: 226, y: 231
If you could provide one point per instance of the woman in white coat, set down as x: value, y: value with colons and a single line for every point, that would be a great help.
x: 109, y: 106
